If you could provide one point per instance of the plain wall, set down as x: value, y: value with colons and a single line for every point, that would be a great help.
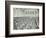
x: 2, y: 18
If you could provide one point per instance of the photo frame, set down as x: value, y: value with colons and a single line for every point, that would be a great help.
x: 24, y: 18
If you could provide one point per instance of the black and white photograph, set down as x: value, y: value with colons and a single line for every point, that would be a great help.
x: 24, y: 18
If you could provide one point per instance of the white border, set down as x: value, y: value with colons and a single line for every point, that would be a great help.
x: 25, y: 31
